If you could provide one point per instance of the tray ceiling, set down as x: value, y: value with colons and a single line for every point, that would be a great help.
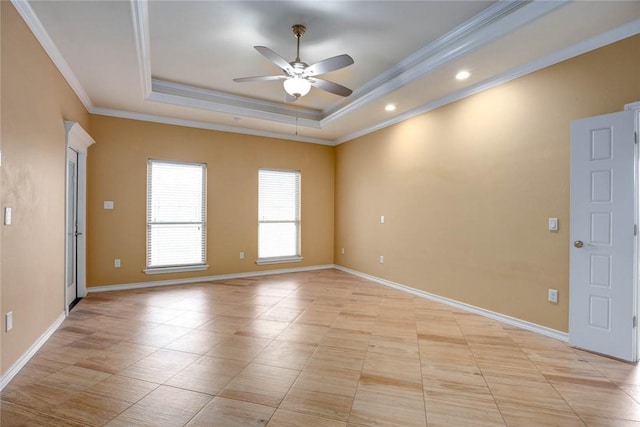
x: 174, y: 61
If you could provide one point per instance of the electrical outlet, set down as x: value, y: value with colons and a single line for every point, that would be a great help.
x: 553, y: 296
x: 381, y: 219
x: 342, y: 251
x: 116, y: 263
x: 8, y: 321
x: 381, y: 259
x: 241, y: 254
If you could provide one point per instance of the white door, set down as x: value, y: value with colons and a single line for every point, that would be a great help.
x: 71, y: 244
x: 602, y: 300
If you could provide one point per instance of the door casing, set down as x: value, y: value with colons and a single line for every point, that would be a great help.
x: 78, y: 140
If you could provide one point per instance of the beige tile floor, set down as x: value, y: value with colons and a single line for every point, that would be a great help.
x: 321, y: 348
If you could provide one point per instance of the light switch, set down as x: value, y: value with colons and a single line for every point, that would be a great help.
x: 108, y: 204
x: 8, y: 321
x: 7, y: 216
x: 381, y: 219
x: 553, y: 224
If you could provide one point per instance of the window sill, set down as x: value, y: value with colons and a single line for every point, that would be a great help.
x: 180, y: 269
x: 278, y: 260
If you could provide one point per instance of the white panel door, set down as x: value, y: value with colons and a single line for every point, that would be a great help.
x: 602, y: 300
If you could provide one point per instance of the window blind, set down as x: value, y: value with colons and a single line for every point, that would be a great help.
x: 176, y: 214
x: 278, y: 215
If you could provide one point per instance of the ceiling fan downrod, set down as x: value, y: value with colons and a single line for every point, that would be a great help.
x: 298, y: 31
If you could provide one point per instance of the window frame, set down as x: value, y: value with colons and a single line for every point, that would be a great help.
x: 297, y: 257
x: 175, y: 268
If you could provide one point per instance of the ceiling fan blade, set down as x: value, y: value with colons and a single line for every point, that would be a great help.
x: 275, y: 58
x: 332, y: 87
x: 259, y: 78
x: 329, y: 64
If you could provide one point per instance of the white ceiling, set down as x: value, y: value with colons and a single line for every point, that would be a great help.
x: 174, y: 61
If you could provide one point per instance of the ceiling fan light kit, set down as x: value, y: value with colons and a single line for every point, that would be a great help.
x: 297, y: 74
x: 297, y: 86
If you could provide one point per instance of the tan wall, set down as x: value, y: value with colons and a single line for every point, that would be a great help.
x: 117, y: 167
x: 35, y: 102
x: 467, y: 189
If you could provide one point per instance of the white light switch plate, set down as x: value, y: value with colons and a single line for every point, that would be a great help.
x: 108, y: 204
x: 553, y: 224
x: 7, y: 216
x: 8, y: 321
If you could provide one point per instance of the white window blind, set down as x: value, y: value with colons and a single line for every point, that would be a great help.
x: 176, y: 216
x: 278, y: 216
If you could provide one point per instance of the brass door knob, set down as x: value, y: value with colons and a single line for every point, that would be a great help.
x: 578, y: 244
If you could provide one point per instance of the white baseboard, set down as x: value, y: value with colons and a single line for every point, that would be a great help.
x: 13, y: 370
x: 155, y: 283
x: 533, y: 327
x: 542, y: 330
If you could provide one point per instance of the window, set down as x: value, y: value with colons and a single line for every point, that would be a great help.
x: 176, y: 227
x: 278, y: 216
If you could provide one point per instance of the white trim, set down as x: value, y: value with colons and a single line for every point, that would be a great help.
x: 24, y: 359
x: 140, y: 16
x: 33, y: 22
x: 181, y: 269
x: 633, y: 106
x: 278, y: 260
x: 80, y: 141
x: 206, y: 99
x: 153, y: 284
x: 612, y: 36
x: 523, y: 324
x: 77, y: 137
x: 203, y: 125
x: 492, y: 23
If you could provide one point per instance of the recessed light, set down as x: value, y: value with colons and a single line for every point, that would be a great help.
x: 463, y: 75
x: 390, y: 107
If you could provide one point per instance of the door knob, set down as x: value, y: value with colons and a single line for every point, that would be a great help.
x: 578, y: 244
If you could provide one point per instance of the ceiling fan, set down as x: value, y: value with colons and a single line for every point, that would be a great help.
x: 298, y: 76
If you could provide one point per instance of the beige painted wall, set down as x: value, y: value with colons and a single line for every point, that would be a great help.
x: 35, y: 102
x: 117, y: 167
x: 467, y: 189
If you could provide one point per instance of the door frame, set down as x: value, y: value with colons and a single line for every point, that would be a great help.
x: 78, y: 140
x: 635, y: 107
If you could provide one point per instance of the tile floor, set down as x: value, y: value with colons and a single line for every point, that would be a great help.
x: 321, y: 348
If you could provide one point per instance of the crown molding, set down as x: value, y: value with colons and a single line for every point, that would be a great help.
x: 490, y: 24
x: 630, y: 29
x: 203, y: 125
x: 194, y: 97
x: 140, y: 16
x: 494, y: 22
x: 36, y: 27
